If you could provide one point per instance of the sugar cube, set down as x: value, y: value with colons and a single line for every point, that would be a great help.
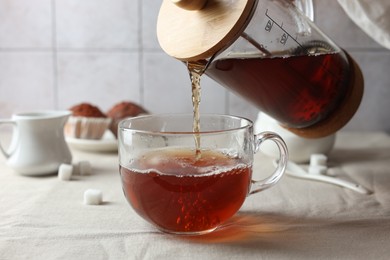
x: 65, y: 172
x: 93, y: 197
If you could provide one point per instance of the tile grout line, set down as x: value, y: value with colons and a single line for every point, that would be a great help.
x: 54, y: 52
x: 140, y: 54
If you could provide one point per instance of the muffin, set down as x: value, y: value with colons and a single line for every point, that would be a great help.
x: 86, y: 122
x: 121, y: 111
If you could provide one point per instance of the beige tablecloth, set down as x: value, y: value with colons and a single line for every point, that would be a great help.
x: 45, y: 218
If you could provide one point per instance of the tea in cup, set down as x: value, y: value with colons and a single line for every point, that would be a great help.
x: 183, y: 188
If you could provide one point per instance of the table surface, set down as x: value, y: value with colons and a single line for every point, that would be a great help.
x: 45, y: 218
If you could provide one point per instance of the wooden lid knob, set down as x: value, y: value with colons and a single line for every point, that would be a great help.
x: 190, y: 4
x: 191, y: 35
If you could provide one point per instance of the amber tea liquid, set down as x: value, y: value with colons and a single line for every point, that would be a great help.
x: 298, y: 91
x: 181, y: 193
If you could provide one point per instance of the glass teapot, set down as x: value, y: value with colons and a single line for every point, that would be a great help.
x: 270, y: 53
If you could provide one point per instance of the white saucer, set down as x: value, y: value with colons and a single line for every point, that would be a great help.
x: 107, y: 143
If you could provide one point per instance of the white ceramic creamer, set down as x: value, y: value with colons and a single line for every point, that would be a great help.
x: 38, y: 144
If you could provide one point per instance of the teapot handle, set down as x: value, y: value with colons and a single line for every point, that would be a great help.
x: 3, y: 151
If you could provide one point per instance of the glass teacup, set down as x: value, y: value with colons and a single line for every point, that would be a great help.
x: 183, y: 188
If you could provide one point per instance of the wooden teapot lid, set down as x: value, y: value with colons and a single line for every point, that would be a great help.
x: 191, y: 30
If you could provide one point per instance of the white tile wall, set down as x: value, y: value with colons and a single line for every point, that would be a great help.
x: 26, y: 81
x: 26, y: 24
x: 105, y: 24
x: 101, y: 78
x: 150, y: 11
x: 55, y: 53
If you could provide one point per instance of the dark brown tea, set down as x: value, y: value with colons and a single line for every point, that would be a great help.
x: 179, y: 192
x: 298, y: 91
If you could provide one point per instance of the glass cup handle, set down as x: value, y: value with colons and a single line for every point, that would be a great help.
x: 282, y: 162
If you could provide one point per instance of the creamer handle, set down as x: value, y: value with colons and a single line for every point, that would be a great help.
x: 3, y: 151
